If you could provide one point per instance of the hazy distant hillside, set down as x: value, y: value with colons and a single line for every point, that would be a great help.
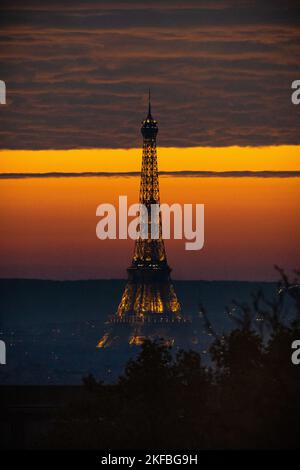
x: 51, y: 328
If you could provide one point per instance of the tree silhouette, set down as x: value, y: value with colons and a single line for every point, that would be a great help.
x: 247, y: 398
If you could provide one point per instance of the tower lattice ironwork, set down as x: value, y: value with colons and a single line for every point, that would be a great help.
x: 149, y: 294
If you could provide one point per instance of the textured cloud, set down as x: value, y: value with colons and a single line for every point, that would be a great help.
x: 77, y: 73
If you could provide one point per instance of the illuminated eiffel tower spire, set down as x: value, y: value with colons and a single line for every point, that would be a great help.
x: 149, y: 299
x: 149, y: 289
x: 149, y: 252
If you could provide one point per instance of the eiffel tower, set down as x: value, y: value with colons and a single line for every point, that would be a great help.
x: 149, y: 303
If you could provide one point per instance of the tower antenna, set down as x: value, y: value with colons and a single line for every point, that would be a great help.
x: 149, y: 103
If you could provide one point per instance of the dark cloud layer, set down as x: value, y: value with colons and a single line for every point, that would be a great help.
x: 77, y: 73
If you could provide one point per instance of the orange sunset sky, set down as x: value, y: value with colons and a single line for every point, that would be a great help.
x: 234, y: 158
x: 77, y: 78
x: 251, y: 223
